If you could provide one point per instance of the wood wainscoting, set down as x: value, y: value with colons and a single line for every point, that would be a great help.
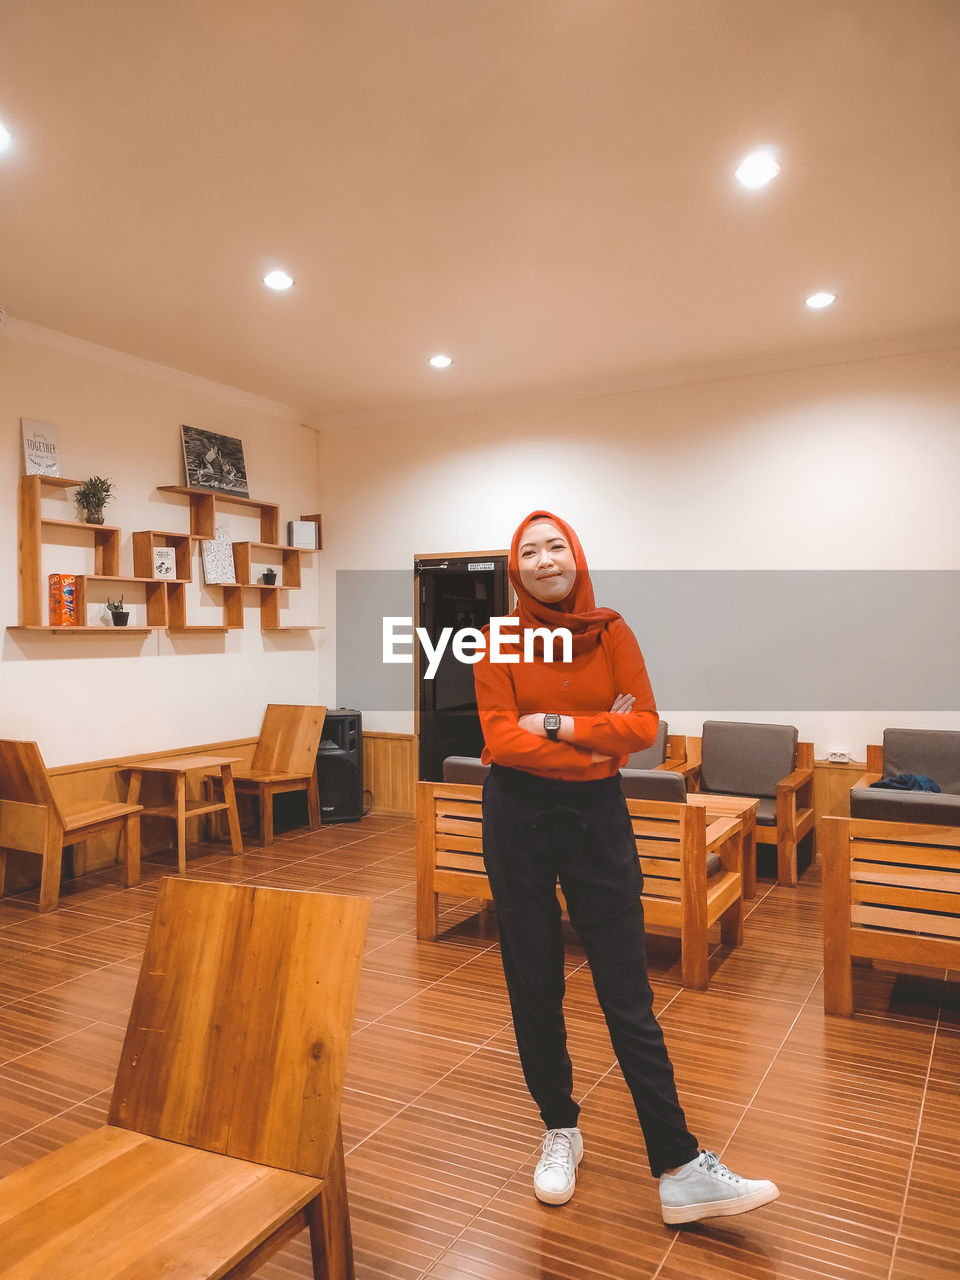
x: 389, y: 772
x: 831, y: 787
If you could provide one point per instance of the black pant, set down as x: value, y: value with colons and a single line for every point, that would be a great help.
x: 537, y: 831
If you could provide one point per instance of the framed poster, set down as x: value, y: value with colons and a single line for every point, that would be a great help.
x: 216, y: 556
x: 164, y: 562
x: 40, y: 441
x: 214, y: 462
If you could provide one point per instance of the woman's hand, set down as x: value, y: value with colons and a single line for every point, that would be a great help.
x: 623, y: 704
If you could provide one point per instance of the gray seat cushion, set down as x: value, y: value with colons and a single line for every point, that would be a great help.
x: 742, y: 759
x: 932, y: 752
x: 653, y: 784
x: 653, y: 755
x: 937, y: 809
x: 766, y: 807
x: 464, y: 769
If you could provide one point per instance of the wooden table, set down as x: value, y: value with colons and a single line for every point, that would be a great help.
x: 178, y: 767
x: 744, y: 808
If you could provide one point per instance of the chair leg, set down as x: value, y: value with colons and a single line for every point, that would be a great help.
x: 731, y: 925
x: 130, y: 845
x: 52, y: 859
x: 787, y: 862
x: 266, y: 815
x: 313, y: 802
x: 328, y: 1215
x: 694, y: 964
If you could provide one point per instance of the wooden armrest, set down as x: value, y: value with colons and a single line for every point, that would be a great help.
x: 720, y: 831
x: 688, y: 768
x: 794, y: 781
x: 866, y: 781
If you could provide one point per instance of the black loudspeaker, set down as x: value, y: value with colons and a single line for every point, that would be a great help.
x: 340, y: 767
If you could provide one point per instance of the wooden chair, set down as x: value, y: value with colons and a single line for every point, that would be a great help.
x: 891, y: 891
x: 932, y: 752
x: 223, y: 1138
x: 32, y: 820
x: 285, y: 760
x: 693, y: 873
x: 766, y: 763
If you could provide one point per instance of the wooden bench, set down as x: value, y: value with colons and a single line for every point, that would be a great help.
x: 223, y: 1137
x: 673, y: 844
x: 891, y: 891
x: 33, y: 821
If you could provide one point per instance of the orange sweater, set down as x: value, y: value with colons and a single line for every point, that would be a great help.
x: 585, y: 689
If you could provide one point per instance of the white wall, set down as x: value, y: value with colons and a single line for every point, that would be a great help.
x: 843, y: 466
x: 85, y: 698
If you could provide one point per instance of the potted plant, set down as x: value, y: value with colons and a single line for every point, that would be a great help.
x: 269, y: 577
x: 92, y: 496
x: 118, y: 614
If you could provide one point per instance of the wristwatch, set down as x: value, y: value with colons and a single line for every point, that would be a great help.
x: 551, y: 726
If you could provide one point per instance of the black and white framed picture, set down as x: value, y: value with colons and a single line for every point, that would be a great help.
x: 216, y: 556
x: 164, y: 562
x: 212, y: 461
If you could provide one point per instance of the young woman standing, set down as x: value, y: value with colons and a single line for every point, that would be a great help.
x: 556, y: 736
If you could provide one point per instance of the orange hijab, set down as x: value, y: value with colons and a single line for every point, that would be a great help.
x: 578, y: 611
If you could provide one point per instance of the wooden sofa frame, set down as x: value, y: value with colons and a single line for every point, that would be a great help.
x: 673, y: 841
x: 891, y: 891
x: 795, y: 810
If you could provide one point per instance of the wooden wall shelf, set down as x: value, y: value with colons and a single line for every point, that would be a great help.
x: 166, y: 604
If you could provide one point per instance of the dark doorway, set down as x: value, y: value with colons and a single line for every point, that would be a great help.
x: 453, y: 591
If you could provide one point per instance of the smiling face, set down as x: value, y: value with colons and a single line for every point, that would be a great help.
x: 546, y: 562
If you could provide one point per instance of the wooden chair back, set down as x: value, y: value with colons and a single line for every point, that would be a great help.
x: 23, y: 776
x: 289, y: 739
x: 238, y: 1034
x: 667, y: 834
x: 457, y: 827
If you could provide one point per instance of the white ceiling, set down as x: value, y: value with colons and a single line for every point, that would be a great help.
x: 543, y: 188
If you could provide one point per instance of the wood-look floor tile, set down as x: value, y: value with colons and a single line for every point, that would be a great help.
x: 22, y: 1107
x: 729, y: 1015
x: 932, y: 1212
x: 611, y: 1229
x: 378, y: 993
x: 362, y: 1113
x: 449, y: 1008
x: 48, y: 929
x: 849, y: 1042
x: 25, y: 970
x: 488, y: 1087
x: 729, y: 1070
x: 104, y: 995
x: 854, y: 1177
x: 73, y: 1068
x: 108, y: 944
x: 428, y: 961
x: 868, y: 1098
x: 924, y: 1261
x: 945, y: 1063
x: 394, y: 1063
x: 52, y: 1134
x: 778, y: 1241
x: 940, y: 1120
x: 25, y: 1026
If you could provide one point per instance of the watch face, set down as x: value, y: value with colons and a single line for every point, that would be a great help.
x: 551, y: 721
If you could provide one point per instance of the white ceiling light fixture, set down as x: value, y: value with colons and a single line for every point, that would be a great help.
x: 6, y: 137
x: 278, y: 280
x: 757, y: 169
x: 817, y: 301
x: 441, y: 361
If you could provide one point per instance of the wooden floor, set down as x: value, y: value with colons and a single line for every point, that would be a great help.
x: 858, y: 1122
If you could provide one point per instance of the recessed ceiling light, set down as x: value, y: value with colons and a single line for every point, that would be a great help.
x: 441, y: 361
x: 278, y: 280
x: 757, y: 169
x: 6, y: 137
x: 817, y: 301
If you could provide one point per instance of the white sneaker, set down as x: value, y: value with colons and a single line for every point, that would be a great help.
x: 705, y: 1188
x: 555, y: 1177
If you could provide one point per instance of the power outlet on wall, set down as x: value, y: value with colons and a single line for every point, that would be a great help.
x: 839, y: 757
